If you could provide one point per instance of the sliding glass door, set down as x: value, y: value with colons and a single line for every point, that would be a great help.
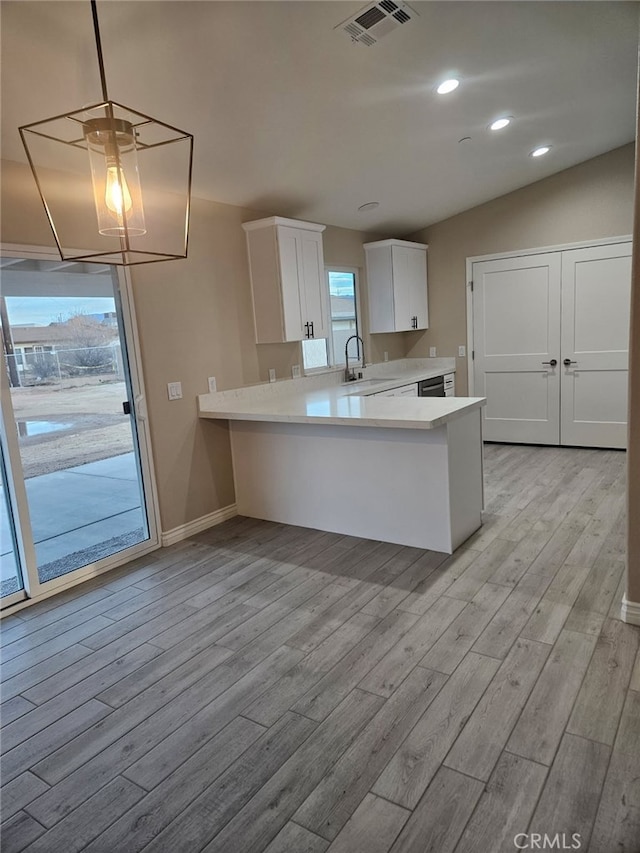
x: 11, y: 580
x: 75, y: 414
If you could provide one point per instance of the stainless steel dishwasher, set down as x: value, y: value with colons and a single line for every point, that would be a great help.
x: 433, y: 387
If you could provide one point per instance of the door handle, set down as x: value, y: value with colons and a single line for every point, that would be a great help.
x: 141, y: 408
x: 567, y: 362
x: 552, y: 363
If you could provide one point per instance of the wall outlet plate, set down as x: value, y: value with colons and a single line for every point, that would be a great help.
x: 174, y: 390
x: 295, y: 371
x: 212, y: 384
x: 432, y: 352
x: 386, y: 356
x: 462, y: 351
x: 272, y: 374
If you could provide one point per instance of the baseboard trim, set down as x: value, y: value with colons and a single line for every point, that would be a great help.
x: 630, y: 611
x: 184, y: 531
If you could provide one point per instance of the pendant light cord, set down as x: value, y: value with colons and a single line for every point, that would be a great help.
x: 96, y: 29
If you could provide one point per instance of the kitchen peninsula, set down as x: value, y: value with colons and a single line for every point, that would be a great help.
x: 320, y: 453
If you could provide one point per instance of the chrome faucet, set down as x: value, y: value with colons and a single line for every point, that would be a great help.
x: 350, y: 375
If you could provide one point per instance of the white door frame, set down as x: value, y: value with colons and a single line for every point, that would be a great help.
x: 583, y: 244
x: 34, y: 589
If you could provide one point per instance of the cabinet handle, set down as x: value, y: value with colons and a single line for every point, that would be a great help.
x: 306, y: 330
x: 414, y: 322
x: 567, y: 362
x: 312, y: 334
x: 553, y: 362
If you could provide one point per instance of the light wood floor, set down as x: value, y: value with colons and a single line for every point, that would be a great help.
x: 270, y: 688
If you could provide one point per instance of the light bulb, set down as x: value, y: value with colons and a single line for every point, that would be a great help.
x: 117, y: 196
x: 111, y: 143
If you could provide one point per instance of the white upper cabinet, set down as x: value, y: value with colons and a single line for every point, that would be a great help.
x: 287, y: 279
x: 397, y: 285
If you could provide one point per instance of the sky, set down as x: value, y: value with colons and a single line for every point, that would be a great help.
x: 42, y: 310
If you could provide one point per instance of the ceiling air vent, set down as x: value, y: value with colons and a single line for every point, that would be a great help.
x: 374, y: 21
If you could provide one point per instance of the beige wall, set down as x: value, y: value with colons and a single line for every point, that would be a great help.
x: 195, y: 320
x: 592, y: 200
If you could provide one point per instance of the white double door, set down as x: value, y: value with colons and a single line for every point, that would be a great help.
x: 550, y: 337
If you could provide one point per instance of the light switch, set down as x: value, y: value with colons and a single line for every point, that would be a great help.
x: 432, y: 352
x: 295, y: 371
x: 175, y: 390
x: 272, y: 374
x: 212, y: 384
x: 462, y: 351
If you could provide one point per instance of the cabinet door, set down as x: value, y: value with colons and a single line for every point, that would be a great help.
x: 313, y: 287
x: 418, y: 302
x: 410, y: 288
x: 380, y: 288
x: 407, y: 390
x: 401, y: 391
x: 403, y: 272
x: 290, y: 276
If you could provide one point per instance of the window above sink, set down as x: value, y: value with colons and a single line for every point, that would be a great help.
x: 321, y: 353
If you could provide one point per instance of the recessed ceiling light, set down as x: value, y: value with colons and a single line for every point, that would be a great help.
x: 499, y: 123
x: 538, y: 152
x: 447, y: 86
x: 370, y: 205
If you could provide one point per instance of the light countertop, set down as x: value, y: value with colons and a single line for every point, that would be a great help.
x: 348, y: 404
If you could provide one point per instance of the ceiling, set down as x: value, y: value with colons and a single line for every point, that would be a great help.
x: 291, y: 117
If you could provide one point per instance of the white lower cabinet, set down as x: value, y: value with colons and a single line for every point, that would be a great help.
x: 402, y: 391
x: 449, y: 385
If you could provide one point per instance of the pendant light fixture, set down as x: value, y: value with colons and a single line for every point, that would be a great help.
x: 115, y: 183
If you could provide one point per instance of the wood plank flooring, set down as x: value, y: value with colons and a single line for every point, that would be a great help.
x: 263, y: 688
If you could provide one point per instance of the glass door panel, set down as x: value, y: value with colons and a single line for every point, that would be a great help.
x: 73, y: 406
x: 11, y: 582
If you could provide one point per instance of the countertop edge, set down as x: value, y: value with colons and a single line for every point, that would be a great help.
x: 365, y: 421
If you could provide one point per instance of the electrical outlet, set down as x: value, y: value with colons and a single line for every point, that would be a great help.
x: 212, y: 384
x: 295, y: 371
x: 462, y: 351
x: 386, y: 356
x: 272, y: 374
x: 432, y: 352
x: 175, y: 390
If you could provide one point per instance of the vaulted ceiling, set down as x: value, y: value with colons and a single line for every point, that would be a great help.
x: 291, y: 117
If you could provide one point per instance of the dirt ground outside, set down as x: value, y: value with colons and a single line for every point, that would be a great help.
x: 71, y: 423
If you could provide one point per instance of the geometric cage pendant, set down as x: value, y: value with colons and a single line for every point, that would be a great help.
x: 115, y: 183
